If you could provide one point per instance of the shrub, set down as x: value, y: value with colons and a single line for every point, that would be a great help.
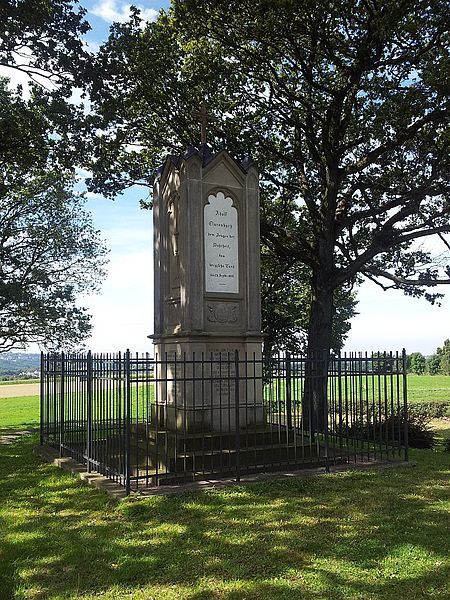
x: 447, y: 445
x: 419, y: 433
x: 433, y: 410
x: 393, y: 428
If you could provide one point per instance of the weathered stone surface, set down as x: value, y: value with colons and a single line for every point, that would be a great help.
x: 207, y: 293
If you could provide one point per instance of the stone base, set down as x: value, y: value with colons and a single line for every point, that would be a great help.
x: 212, y: 419
x: 197, y: 379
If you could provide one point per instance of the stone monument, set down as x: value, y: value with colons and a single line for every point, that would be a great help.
x: 207, y: 293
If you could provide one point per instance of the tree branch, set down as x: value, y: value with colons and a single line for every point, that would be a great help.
x: 426, y: 281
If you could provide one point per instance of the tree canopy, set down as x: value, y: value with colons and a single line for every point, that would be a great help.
x: 39, y: 121
x: 418, y: 363
x: 343, y: 106
x: 42, y: 39
x: 286, y: 305
x: 49, y: 249
x: 444, y: 358
x: 49, y: 253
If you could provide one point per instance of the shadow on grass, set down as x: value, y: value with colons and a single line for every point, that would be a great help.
x: 353, y: 535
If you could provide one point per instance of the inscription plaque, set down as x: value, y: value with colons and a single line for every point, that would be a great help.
x: 221, y: 245
x: 223, y: 373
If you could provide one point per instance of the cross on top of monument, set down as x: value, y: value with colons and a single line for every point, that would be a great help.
x: 203, y: 118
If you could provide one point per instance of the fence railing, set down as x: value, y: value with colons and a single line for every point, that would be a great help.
x: 145, y: 421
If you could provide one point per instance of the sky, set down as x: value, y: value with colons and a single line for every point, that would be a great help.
x: 122, y: 314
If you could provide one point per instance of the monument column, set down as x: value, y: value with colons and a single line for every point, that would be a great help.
x: 207, y: 291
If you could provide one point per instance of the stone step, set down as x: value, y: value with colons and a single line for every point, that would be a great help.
x: 161, y: 477
x: 144, y: 436
x: 220, y: 459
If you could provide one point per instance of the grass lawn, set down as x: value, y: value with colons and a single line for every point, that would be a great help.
x: 367, y: 535
x: 442, y: 429
x: 16, y: 413
x: 428, y: 388
x: 363, y: 535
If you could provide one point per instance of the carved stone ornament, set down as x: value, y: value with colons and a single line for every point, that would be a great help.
x: 222, y: 312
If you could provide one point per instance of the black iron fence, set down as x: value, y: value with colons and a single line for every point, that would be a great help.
x: 145, y: 421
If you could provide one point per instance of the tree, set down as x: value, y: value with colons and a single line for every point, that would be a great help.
x: 382, y: 362
x: 49, y: 253
x: 43, y: 40
x: 433, y: 364
x: 38, y: 132
x: 286, y: 304
x: 408, y: 363
x: 418, y: 363
x: 49, y: 250
x: 444, y: 358
x: 343, y: 106
x: 285, y: 293
x: 40, y: 122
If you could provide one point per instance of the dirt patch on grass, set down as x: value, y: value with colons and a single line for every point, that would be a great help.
x: 19, y: 389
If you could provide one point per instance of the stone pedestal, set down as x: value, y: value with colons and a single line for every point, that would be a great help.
x: 207, y: 294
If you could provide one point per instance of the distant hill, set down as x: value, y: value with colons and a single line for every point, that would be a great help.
x: 14, y: 365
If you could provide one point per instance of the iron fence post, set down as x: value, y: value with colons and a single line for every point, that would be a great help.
x: 89, y: 411
x: 54, y: 399
x: 288, y: 392
x: 339, y: 388
x: 326, y: 416
x: 127, y: 423
x: 41, y: 402
x: 405, y: 405
x: 61, y: 406
x: 237, y: 415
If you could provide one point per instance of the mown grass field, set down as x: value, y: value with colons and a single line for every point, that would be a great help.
x: 428, y: 388
x: 24, y: 412
x: 372, y: 535
x: 19, y: 412
x: 18, y: 381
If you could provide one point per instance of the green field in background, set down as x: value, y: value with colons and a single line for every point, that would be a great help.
x: 24, y: 411
x: 18, y: 381
x: 429, y: 388
x: 19, y: 412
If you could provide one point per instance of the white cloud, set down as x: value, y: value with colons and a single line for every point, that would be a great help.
x: 82, y: 173
x: 122, y: 315
x: 112, y: 11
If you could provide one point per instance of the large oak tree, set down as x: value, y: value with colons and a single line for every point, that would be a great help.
x: 343, y: 105
x: 42, y: 39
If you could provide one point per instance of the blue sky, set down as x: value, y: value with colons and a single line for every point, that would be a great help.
x: 123, y: 312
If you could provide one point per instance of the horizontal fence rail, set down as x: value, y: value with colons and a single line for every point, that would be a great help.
x: 144, y: 421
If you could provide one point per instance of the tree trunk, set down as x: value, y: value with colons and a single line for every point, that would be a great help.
x: 315, y: 409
